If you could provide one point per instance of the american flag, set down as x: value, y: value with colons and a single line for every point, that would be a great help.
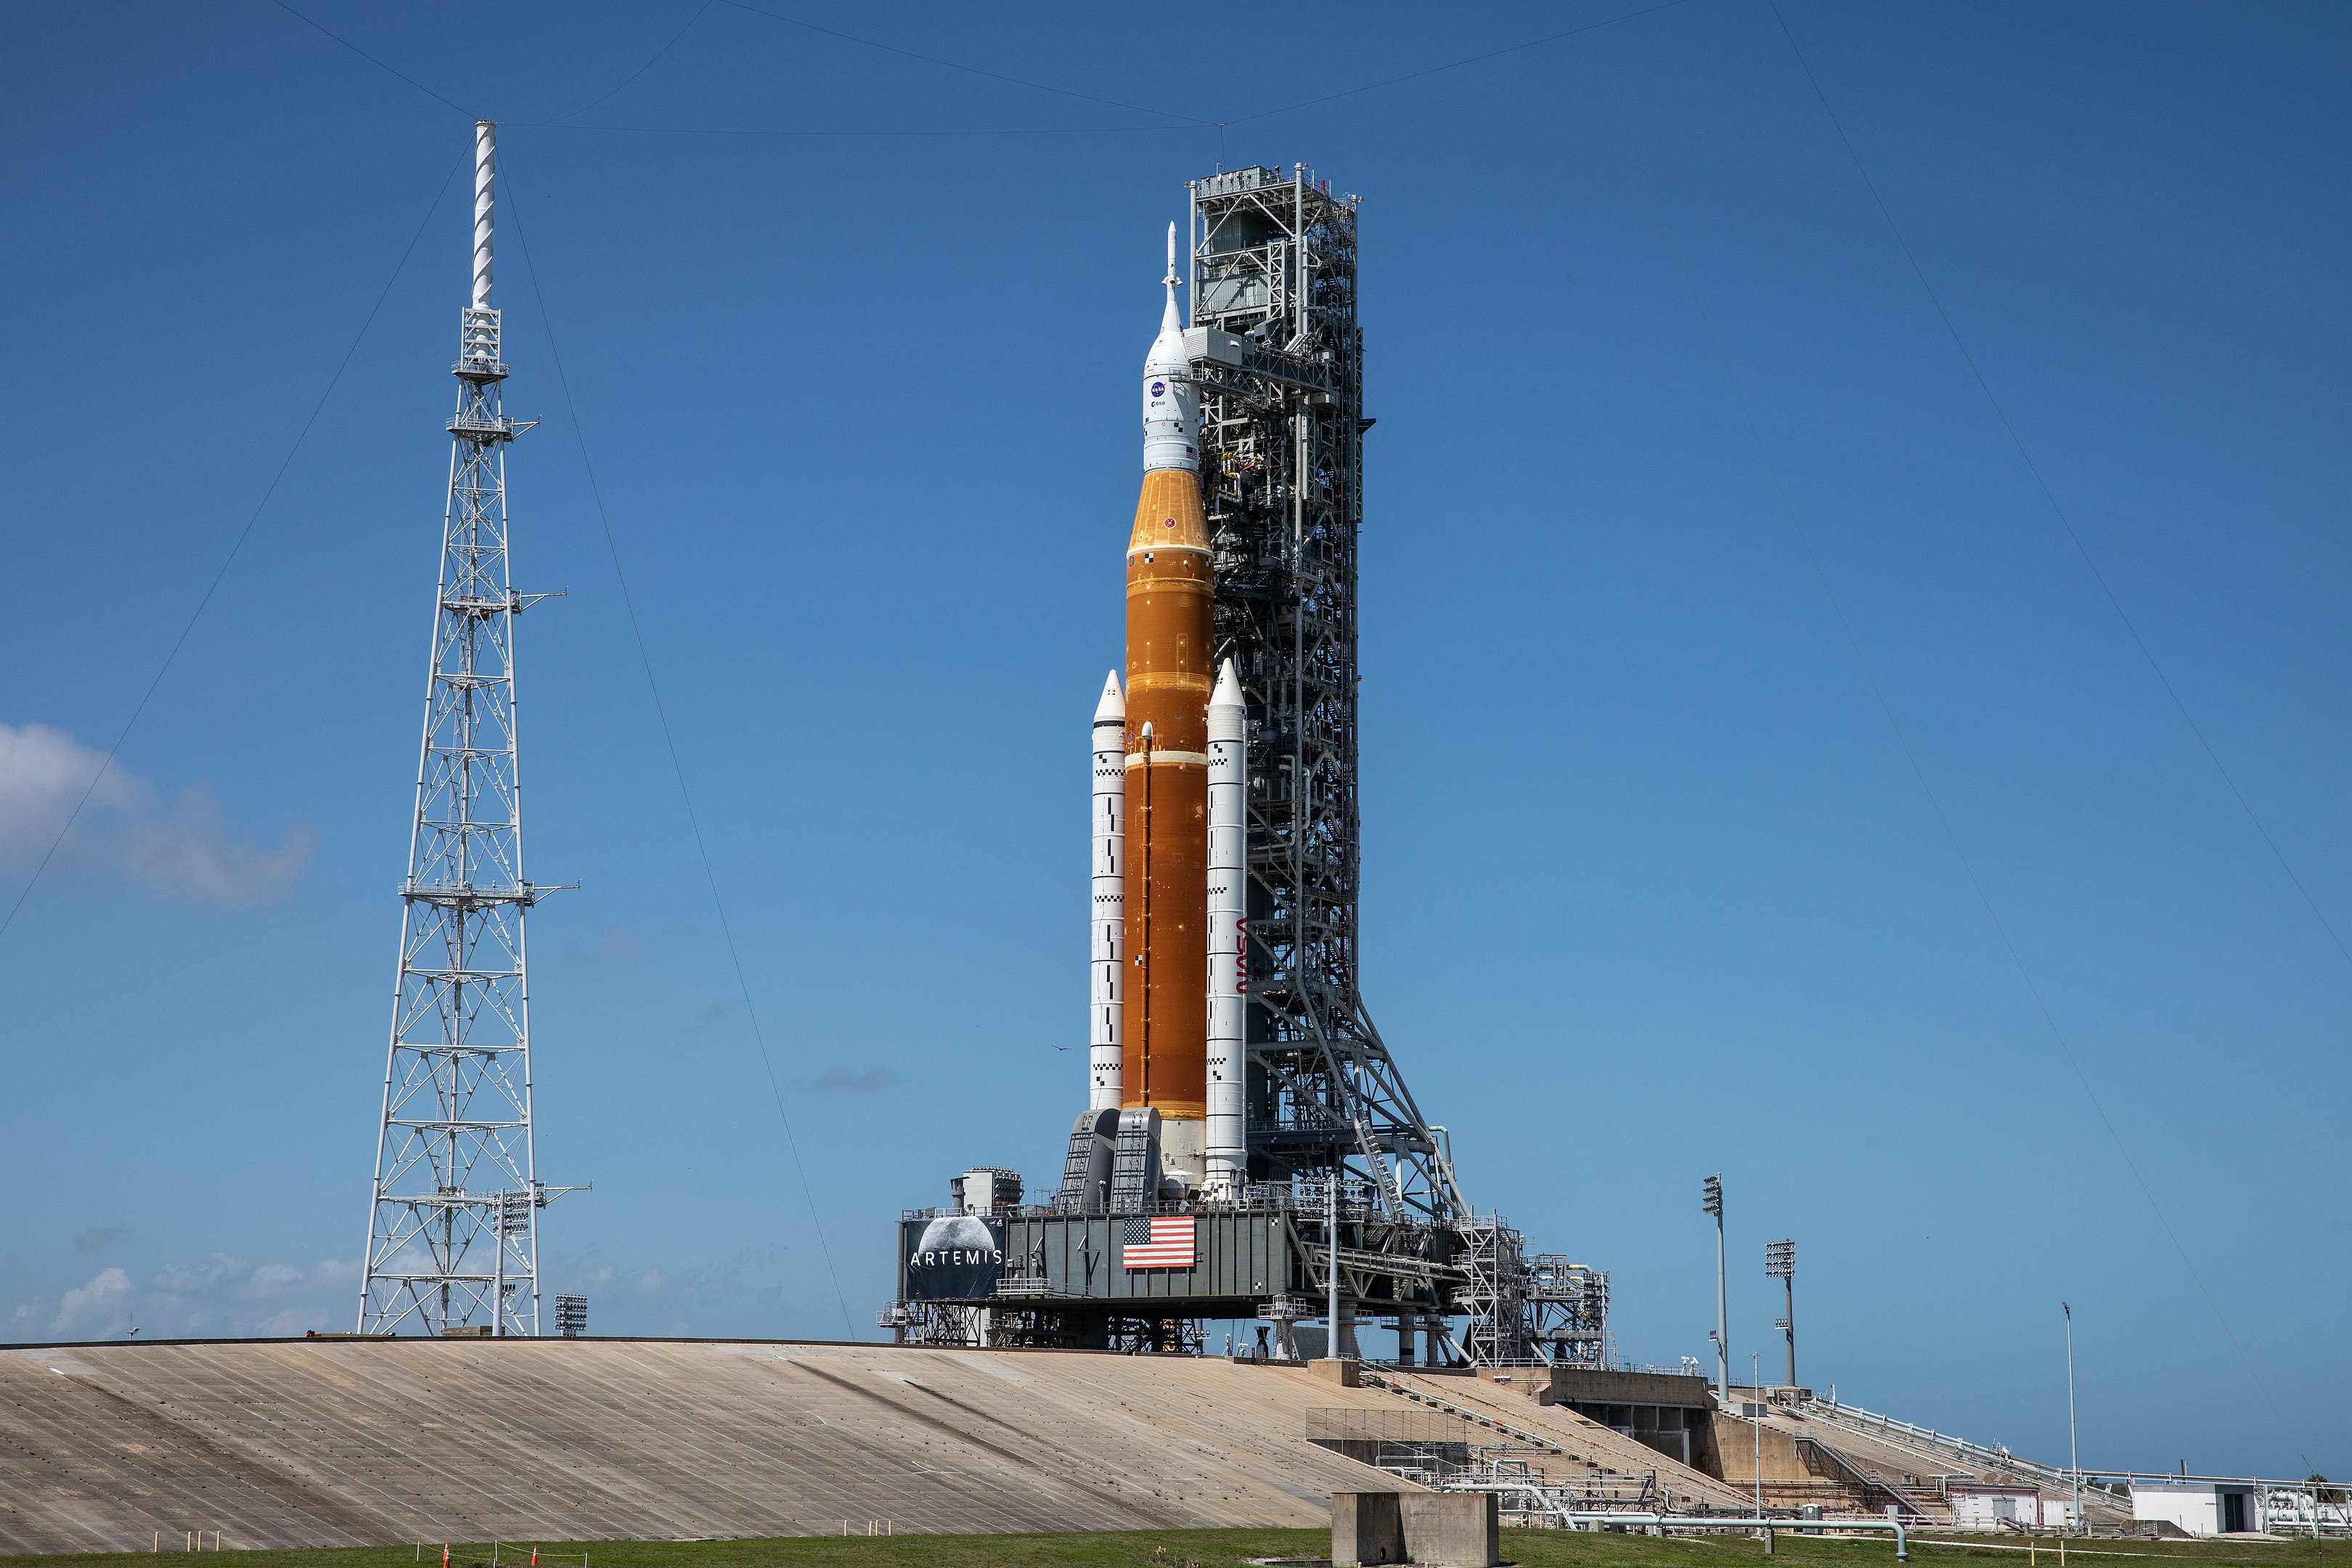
x: 1157, y: 1243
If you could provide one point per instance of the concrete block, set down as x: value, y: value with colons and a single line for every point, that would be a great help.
x: 1340, y: 1371
x: 1452, y: 1529
x: 1366, y: 1527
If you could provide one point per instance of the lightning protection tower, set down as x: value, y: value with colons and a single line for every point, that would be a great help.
x: 453, y: 1227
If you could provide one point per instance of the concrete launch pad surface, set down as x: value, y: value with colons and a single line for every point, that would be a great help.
x: 325, y: 1442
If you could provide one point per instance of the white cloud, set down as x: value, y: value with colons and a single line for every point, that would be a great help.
x: 728, y: 1293
x: 223, y: 1298
x: 749, y: 1293
x: 849, y: 1080
x: 613, y: 944
x: 185, y: 847
x: 95, y: 1302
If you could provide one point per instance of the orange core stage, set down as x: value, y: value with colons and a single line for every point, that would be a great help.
x: 1165, y: 1038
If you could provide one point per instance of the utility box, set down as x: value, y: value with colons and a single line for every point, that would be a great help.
x: 1452, y: 1529
x: 1367, y: 1527
x: 1995, y: 1507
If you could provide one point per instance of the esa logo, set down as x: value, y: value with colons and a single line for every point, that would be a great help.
x: 1159, y: 389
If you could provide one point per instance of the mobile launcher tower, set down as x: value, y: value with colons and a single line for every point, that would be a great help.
x: 1249, y: 1149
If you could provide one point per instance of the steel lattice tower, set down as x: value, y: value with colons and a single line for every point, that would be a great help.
x: 453, y: 1231
x: 1282, y: 449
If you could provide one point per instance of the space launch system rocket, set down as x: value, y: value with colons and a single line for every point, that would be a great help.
x: 1165, y: 1048
x: 1164, y: 1030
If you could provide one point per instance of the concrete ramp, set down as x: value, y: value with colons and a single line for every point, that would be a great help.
x: 324, y: 1443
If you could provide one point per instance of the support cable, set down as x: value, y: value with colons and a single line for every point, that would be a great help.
x: 385, y: 66
x: 972, y: 70
x: 1184, y: 121
x: 849, y: 134
x: 369, y: 57
x: 235, y: 550
x: 701, y: 12
x: 1451, y: 65
x: 557, y: 123
x: 2049, y: 496
x: 661, y: 712
x: 1951, y: 836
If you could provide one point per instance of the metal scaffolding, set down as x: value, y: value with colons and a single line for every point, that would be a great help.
x: 453, y: 1230
x: 1278, y: 357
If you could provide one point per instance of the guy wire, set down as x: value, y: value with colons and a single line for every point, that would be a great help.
x: 693, y: 818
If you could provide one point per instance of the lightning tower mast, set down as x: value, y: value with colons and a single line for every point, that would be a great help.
x: 453, y: 1228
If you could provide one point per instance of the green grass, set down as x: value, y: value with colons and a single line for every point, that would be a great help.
x: 1231, y: 1548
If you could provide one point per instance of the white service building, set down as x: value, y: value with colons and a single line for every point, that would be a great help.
x: 2201, y: 1507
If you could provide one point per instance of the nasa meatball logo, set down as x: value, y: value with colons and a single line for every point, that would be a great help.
x: 955, y: 1258
x: 1158, y: 388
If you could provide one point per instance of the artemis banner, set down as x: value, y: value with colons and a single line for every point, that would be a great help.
x: 955, y: 1258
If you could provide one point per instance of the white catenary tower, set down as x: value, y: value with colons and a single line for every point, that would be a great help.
x: 453, y: 1226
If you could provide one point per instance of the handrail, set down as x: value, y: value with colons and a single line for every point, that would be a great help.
x: 1893, y: 1523
x: 1869, y: 1480
x: 1650, y: 1482
x: 1366, y: 1375
x: 1870, y: 1424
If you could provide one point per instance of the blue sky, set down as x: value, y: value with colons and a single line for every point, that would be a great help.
x: 1652, y: 887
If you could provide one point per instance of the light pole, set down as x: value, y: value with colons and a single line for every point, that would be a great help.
x: 2073, y: 1454
x: 1781, y: 1263
x: 1331, y: 1251
x: 1756, y: 1427
x: 1713, y: 1203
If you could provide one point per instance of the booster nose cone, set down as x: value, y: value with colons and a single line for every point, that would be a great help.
x: 1171, y: 406
x: 1112, y: 708
x: 1228, y: 693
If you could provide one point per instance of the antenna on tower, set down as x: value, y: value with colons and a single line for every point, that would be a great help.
x: 453, y: 1222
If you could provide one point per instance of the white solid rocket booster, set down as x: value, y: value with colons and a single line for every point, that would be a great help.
x: 1107, y: 920
x: 1228, y: 1160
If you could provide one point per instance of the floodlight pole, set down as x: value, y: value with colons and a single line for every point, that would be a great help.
x: 1712, y: 1200
x: 1781, y: 1263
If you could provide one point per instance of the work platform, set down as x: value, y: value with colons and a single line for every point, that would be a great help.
x: 1048, y: 1277
x: 988, y: 1270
